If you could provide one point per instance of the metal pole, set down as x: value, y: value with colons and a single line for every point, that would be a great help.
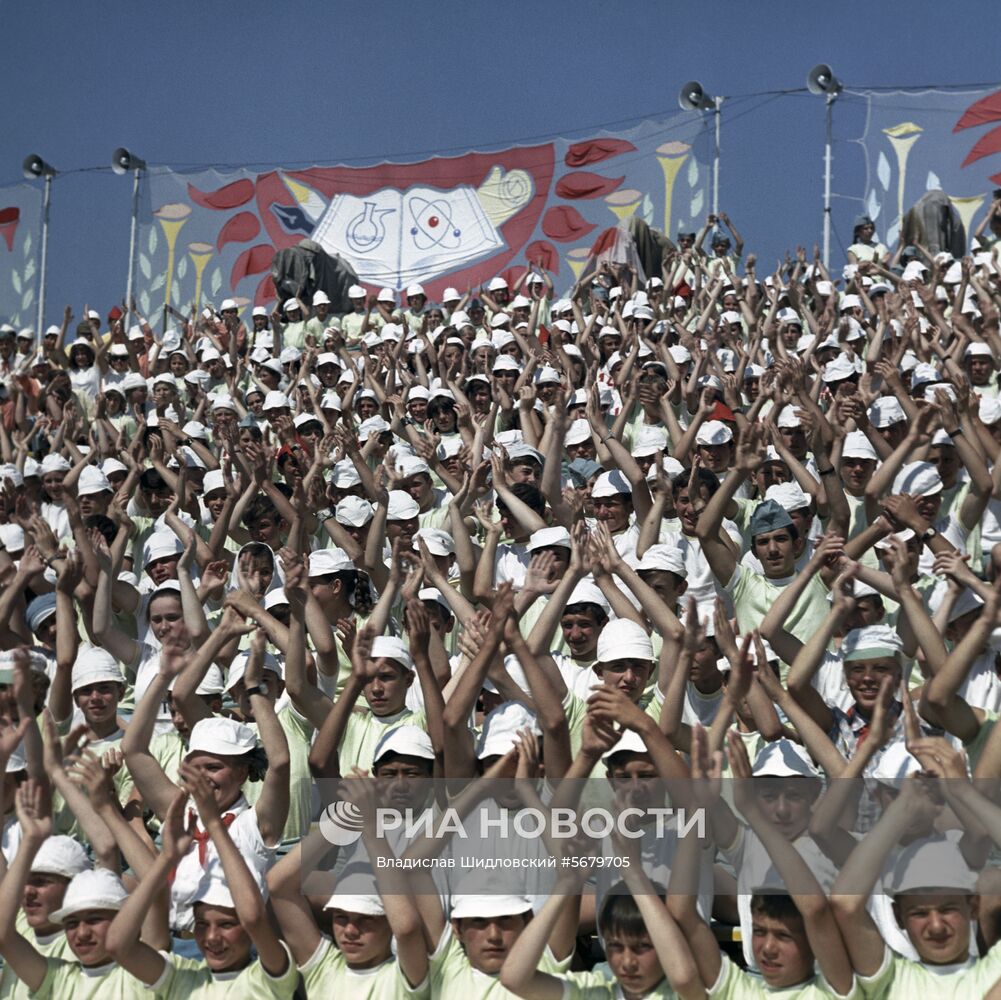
x: 827, y: 184
x: 719, y: 105
x: 44, y: 260
x: 132, y: 237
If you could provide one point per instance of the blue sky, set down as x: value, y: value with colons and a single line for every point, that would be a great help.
x: 264, y: 82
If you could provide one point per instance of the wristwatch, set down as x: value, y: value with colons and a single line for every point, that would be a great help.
x: 261, y: 689
x: 929, y: 535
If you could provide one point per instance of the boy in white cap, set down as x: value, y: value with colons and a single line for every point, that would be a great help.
x: 379, y: 949
x: 382, y: 670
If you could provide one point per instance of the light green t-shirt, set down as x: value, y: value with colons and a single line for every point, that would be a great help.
x: 595, y: 986
x: 299, y: 734
x: 900, y: 977
x: 753, y: 595
x: 452, y: 975
x: 363, y: 732
x: 326, y: 974
x: 185, y: 978
x: 734, y: 983
x: 67, y: 979
x: 51, y: 946
x: 294, y: 335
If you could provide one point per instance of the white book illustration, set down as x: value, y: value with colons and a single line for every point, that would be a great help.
x: 396, y: 237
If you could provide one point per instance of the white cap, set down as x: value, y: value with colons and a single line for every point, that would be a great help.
x: 259, y: 311
x: 411, y: 465
x: 546, y: 537
x: 588, y: 592
x: 713, y: 432
x: 629, y: 742
x: 160, y: 545
x: 499, y: 320
x: 886, y: 411
x: 611, y: 484
x: 408, y: 741
x: 391, y: 647
x: 53, y: 463
x: 275, y: 400
x: 578, y: 432
x: 330, y: 401
x: 95, y: 666
x: 324, y: 562
x: 301, y: 419
x: 401, y: 507
x: 788, y: 496
x: 668, y: 558
x: 224, y: 737
x: 935, y: 864
x: 93, y: 889
x: 487, y: 906
x: 497, y: 285
x: 373, y: 426
x: 788, y: 419
x: 60, y: 855
x: 623, y: 639
x: 501, y: 728
x: 857, y: 445
x: 353, y: 511
x: 439, y: 542
x: 239, y: 667
x: 918, y: 478
x: 894, y: 765
x: 506, y: 363
x: 838, y: 369
x: 784, y: 759
x: 92, y: 481
x: 414, y: 289
x: 344, y: 475
x: 649, y: 441
x: 873, y: 642
x: 450, y: 295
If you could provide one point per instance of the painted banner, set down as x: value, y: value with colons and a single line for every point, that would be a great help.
x: 20, y: 231
x: 457, y: 220
x: 931, y: 140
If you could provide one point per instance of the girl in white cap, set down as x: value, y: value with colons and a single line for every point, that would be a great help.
x: 230, y: 919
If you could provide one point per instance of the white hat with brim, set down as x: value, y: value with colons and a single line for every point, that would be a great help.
x: 629, y: 742
x: 894, y: 765
x: 407, y: 741
x: 401, y: 507
x: 354, y: 511
x: 325, y: 562
x: 95, y: 666
x: 611, y: 484
x: 546, y: 538
x: 930, y: 865
x: 94, y: 889
x: 784, y: 759
x: 222, y: 737
x: 391, y: 647
x: 623, y: 639
x: 439, y: 542
x: 712, y: 433
x: 501, y: 728
x: 488, y: 906
x: 239, y: 667
x: 587, y: 592
x: 60, y: 855
x: 665, y: 558
x: 918, y: 479
x: 873, y: 642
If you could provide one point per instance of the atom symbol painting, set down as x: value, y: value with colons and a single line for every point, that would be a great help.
x: 433, y: 224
